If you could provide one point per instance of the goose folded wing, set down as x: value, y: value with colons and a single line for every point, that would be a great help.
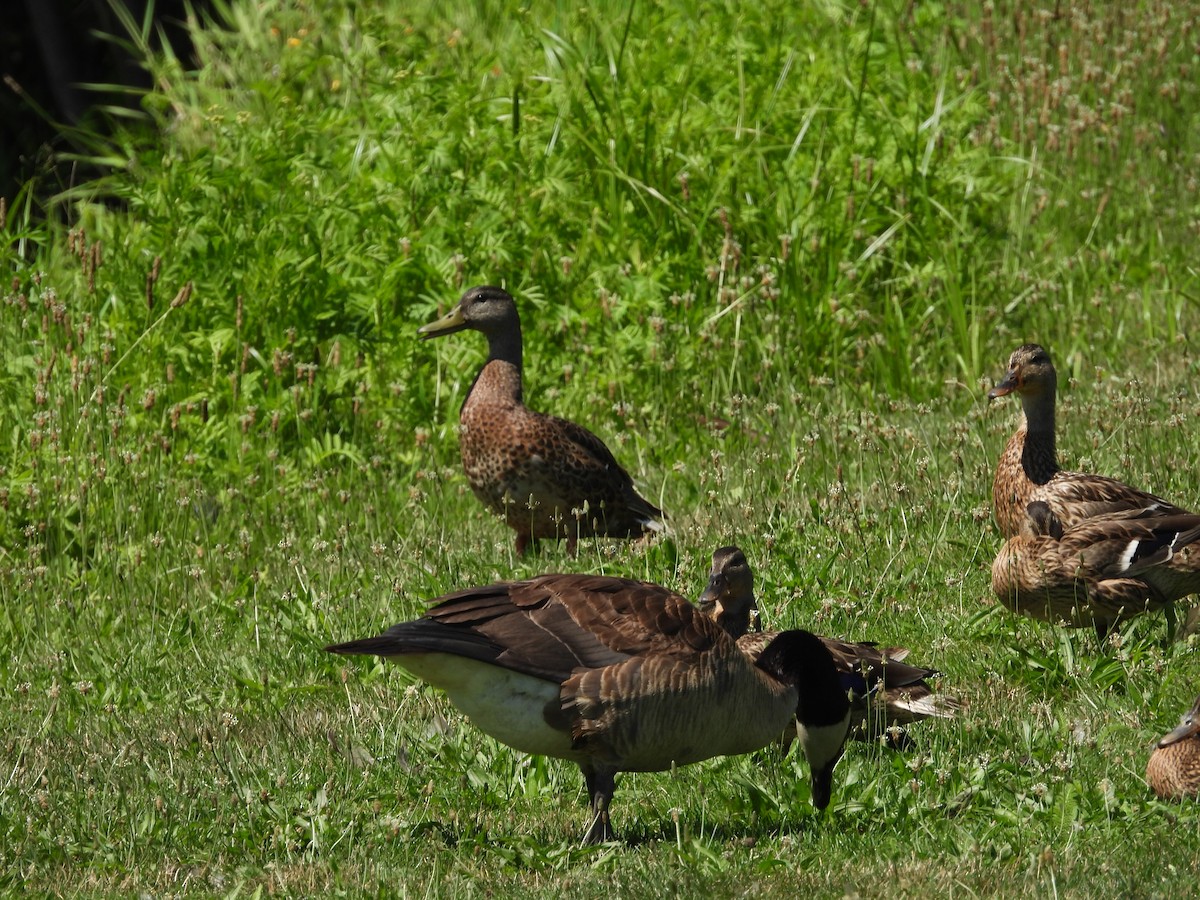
x: 550, y: 626
x: 516, y: 626
x: 637, y: 618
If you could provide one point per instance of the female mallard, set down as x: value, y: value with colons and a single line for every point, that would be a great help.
x: 1101, y: 570
x: 618, y: 676
x: 1173, y: 770
x: 885, y: 692
x: 547, y: 477
x: 1028, y: 468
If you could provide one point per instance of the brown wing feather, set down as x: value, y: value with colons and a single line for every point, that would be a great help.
x: 1099, y: 548
x: 591, y: 698
x: 1115, y: 598
x: 589, y: 454
x: 1081, y: 496
x: 876, y: 666
x: 551, y: 626
x: 592, y: 451
x: 634, y: 617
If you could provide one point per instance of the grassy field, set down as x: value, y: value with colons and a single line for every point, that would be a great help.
x: 773, y: 256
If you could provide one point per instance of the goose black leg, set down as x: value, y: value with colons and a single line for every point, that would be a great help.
x: 600, y: 788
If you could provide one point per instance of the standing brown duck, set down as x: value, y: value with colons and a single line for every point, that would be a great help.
x: 1173, y: 770
x: 618, y: 676
x: 885, y: 692
x: 1028, y: 468
x: 1100, y: 571
x: 547, y: 477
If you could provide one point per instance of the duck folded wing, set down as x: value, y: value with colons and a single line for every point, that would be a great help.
x: 1127, y: 544
x: 1085, y: 496
x: 1170, y: 537
x: 876, y: 667
x: 589, y: 450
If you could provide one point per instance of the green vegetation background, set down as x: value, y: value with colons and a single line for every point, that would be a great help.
x: 770, y: 252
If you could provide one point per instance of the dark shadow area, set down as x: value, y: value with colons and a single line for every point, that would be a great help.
x: 50, y: 52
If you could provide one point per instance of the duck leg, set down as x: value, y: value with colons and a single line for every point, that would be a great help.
x: 600, y: 787
x: 1172, y: 624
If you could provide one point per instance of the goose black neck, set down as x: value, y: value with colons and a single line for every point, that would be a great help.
x: 799, y: 657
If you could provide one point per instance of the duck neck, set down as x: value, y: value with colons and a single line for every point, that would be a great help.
x: 1039, y: 457
x: 499, y: 382
x: 504, y: 345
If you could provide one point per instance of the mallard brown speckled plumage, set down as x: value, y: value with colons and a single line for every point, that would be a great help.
x: 1100, y: 571
x: 1028, y: 468
x: 618, y: 676
x: 1173, y: 771
x: 546, y: 476
x: 885, y: 692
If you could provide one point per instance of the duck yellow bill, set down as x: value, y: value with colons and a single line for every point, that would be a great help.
x: 1005, y: 387
x: 1186, y: 729
x: 448, y: 324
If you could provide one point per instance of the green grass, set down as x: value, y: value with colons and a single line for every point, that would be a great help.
x: 770, y: 255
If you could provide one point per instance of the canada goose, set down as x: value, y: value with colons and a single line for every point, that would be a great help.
x: 885, y: 692
x: 1028, y: 468
x: 1173, y: 770
x: 547, y: 477
x: 1100, y: 571
x: 618, y: 676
